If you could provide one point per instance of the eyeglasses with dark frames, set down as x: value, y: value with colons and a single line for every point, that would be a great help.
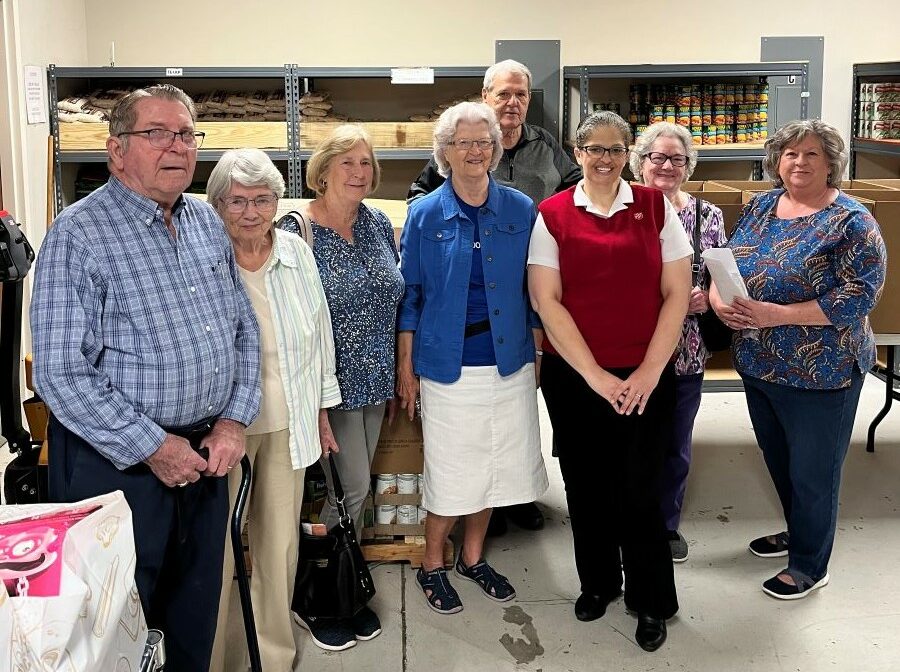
x: 163, y: 139
x: 597, y: 151
x: 659, y: 159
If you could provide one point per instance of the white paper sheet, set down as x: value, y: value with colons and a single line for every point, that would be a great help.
x: 724, y: 271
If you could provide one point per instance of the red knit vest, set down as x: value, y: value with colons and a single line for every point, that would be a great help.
x: 610, y: 271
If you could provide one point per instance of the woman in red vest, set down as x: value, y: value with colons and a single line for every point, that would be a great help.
x: 609, y: 274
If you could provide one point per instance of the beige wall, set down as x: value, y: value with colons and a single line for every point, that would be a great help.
x: 34, y: 32
x: 391, y: 32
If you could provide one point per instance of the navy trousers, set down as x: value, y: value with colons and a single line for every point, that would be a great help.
x: 179, y: 539
x: 804, y: 436
x: 611, y: 466
x: 678, y: 458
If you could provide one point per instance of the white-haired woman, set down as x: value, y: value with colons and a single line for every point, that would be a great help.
x: 466, y: 332
x: 814, y: 263
x: 664, y: 158
x: 354, y: 248
x: 297, y: 377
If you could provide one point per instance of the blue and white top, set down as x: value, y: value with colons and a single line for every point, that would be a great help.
x: 835, y: 256
x: 363, y: 287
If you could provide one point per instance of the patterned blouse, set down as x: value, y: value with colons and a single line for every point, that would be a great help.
x: 363, y: 287
x: 691, y: 354
x: 835, y: 256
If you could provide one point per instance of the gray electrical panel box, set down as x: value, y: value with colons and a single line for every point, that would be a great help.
x: 542, y: 58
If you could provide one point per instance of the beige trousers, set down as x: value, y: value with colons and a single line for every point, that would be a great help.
x: 273, y: 511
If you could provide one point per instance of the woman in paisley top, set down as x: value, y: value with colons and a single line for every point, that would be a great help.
x: 357, y: 258
x: 664, y: 158
x: 814, y: 263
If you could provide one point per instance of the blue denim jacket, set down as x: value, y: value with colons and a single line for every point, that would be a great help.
x: 436, y: 262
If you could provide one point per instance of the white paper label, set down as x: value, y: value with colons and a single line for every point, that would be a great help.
x: 174, y: 72
x: 412, y: 75
x: 35, y: 107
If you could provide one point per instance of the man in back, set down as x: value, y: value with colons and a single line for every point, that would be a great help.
x: 146, y: 350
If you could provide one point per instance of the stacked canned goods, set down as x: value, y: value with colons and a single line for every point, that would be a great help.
x: 716, y: 113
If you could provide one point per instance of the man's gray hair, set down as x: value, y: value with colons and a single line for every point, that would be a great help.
x: 504, y: 67
x: 123, y: 115
x: 662, y: 129
x: 445, y: 130
x: 795, y: 131
x: 247, y: 167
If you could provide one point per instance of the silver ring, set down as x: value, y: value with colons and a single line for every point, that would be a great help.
x: 181, y: 485
x: 230, y: 467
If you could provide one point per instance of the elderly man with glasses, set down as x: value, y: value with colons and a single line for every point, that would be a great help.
x: 532, y: 162
x: 146, y: 351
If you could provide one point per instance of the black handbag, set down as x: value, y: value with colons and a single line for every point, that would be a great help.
x: 715, y: 334
x: 333, y: 579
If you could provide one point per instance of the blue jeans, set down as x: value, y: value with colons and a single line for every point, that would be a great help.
x: 804, y: 436
x: 678, y: 456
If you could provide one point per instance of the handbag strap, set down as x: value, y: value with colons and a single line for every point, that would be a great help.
x: 338, y: 493
x: 695, y: 266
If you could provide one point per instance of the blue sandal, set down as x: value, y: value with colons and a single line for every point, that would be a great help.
x: 495, y: 586
x: 443, y: 598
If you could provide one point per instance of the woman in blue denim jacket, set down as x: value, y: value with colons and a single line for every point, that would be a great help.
x: 467, y: 334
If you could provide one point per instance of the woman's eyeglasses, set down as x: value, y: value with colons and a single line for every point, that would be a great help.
x: 597, y: 151
x: 658, y: 158
x: 237, y: 204
x: 466, y: 145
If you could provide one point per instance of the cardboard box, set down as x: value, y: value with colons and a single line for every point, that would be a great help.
x: 37, y: 417
x: 744, y: 185
x: 885, y: 318
x: 727, y: 199
x: 399, y: 448
x: 890, y: 183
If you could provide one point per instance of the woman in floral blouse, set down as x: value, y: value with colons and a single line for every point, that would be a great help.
x: 357, y: 258
x: 664, y: 158
x: 814, y: 263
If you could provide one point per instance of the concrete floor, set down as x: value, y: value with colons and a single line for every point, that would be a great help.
x: 726, y: 622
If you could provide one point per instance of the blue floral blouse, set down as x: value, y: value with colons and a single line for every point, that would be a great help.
x: 363, y: 287
x: 835, y: 256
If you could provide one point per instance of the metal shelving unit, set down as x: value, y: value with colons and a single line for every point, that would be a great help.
x: 83, y: 80
x: 871, y: 72
x: 782, y: 76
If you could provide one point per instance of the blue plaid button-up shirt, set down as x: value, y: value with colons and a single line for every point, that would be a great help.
x: 134, y: 330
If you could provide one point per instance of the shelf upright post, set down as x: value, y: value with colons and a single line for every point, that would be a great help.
x: 292, y: 112
x: 854, y: 123
x: 54, y: 131
x: 583, y: 82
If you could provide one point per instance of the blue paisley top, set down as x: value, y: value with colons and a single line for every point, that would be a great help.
x: 363, y: 287
x: 691, y: 354
x: 835, y: 256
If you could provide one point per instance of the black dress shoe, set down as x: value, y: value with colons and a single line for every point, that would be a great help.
x: 650, y: 633
x: 527, y: 516
x: 497, y: 523
x: 590, y: 607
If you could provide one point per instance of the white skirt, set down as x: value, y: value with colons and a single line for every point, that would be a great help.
x: 482, y: 441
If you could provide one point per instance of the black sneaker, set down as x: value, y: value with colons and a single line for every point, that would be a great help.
x: 365, y: 625
x: 331, y: 634
x: 774, y: 546
x: 678, y: 546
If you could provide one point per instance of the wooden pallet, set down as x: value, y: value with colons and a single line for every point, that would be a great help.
x: 409, y: 549
x: 219, y: 135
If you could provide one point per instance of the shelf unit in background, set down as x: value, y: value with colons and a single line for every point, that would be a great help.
x: 367, y: 96
x: 885, y: 154
x: 80, y: 144
x: 585, y: 84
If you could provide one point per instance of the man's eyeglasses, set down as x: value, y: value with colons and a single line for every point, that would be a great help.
x: 163, y: 139
x: 658, y: 158
x: 597, y: 151
x: 237, y: 204
x: 506, y: 96
x: 466, y: 145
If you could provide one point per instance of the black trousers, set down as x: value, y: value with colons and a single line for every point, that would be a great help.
x: 611, y: 466
x: 179, y: 539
